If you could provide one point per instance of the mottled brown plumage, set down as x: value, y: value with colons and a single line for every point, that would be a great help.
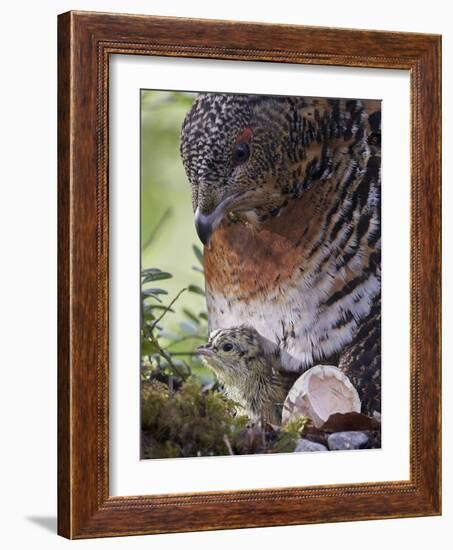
x: 286, y: 191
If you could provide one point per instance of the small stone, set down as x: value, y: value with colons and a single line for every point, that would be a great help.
x: 342, y: 441
x: 306, y: 446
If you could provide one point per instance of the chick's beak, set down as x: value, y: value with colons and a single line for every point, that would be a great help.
x: 205, y: 350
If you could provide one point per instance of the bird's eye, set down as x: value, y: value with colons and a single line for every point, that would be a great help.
x: 241, y: 153
x: 227, y: 347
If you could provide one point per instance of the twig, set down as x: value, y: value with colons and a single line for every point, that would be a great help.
x: 153, y: 326
x: 151, y: 337
x: 228, y: 444
x: 184, y: 339
x: 171, y: 388
x: 148, y: 333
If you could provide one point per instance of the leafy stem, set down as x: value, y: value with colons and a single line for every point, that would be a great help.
x: 156, y: 322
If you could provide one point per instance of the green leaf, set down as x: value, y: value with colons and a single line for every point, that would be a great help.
x: 198, y: 253
x: 151, y: 296
x: 148, y: 348
x: 195, y: 289
x: 148, y: 315
x: 191, y: 315
x: 153, y: 291
x: 198, y: 269
x: 159, y: 307
x: 203, y: 315
x: 156, y: 277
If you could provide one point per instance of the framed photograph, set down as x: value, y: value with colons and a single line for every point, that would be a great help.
x: 249, y: 275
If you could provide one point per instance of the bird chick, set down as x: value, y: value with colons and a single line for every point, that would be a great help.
x: 249, y: 370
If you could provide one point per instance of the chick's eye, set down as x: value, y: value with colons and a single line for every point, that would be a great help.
x: 241, y: 153
x: 227, y: 347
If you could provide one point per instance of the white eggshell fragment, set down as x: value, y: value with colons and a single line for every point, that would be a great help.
x: 320, y: 392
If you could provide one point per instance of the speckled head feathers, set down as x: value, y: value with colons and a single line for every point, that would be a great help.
x: 232, y: 348
x: 247, y: 155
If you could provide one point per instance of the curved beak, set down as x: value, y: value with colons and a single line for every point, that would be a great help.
x: 206, y: 224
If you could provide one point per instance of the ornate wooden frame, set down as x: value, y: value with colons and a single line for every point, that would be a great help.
x: 85, y: 42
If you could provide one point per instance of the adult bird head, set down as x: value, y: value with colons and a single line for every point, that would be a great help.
x: 246, y: 155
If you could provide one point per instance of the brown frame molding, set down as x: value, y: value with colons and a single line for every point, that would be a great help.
x: 85, y: 42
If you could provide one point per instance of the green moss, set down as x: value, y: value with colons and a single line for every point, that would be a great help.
x: 287, y: 439
x: 154, y: 396
x: 193, y: 422
x: 199, y: 422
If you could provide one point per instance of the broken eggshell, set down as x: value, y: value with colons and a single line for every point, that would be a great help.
x: 319, y: 393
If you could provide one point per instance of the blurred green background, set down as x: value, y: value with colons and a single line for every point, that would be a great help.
x: 167, y: 225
